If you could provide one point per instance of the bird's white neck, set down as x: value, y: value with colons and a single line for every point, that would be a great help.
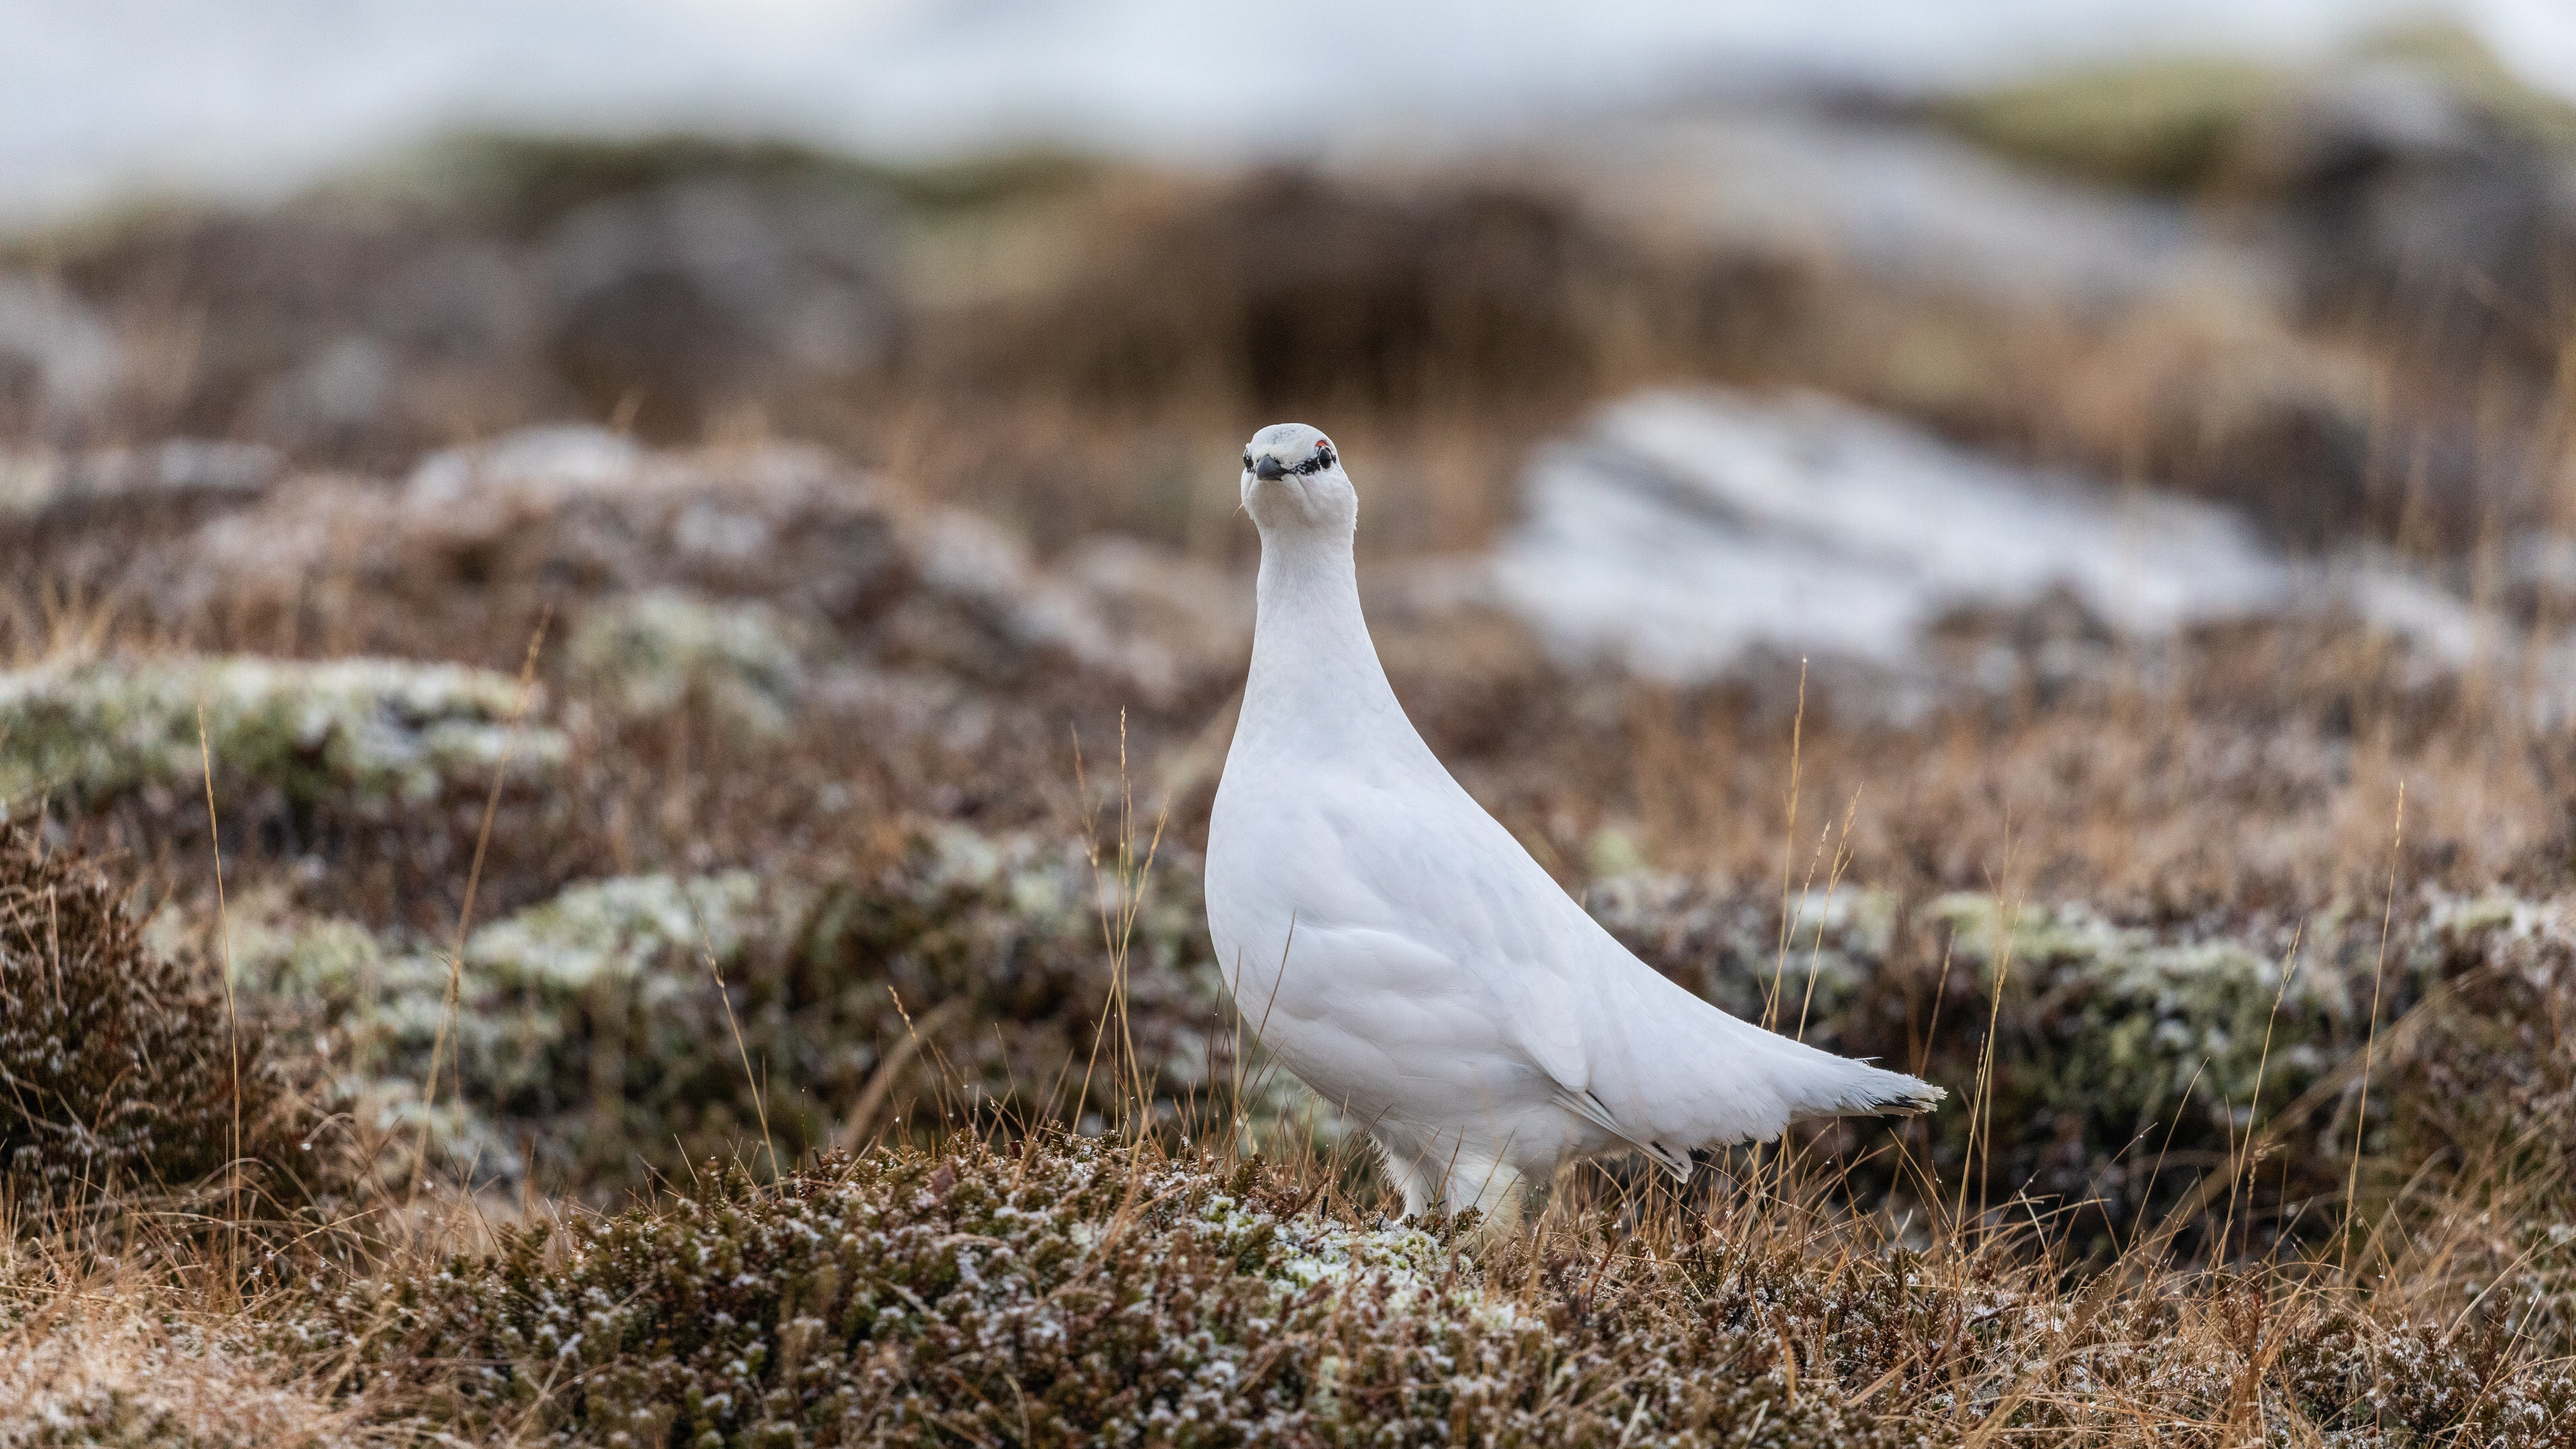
x: 1316, y: 686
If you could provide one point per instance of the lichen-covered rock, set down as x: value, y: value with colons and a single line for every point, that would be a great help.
x: 592, y: 1026
x: 581, y: 1027
x: 2183, y: 1036
x: 1733, y: 950
x: 2136, y: 1023
x: 724, y: 568
x: 974, y: 972
x: 35, y: 486
x: 646, y: 654
x: 488, y: 536
x: 360, y: 734
x: 1155, y: 625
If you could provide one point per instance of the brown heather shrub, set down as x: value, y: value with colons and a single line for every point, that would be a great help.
x: 1064, y: 1292
x: 117, y: 1065
x: 1079, y: 1291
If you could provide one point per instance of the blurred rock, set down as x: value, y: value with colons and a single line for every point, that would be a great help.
x: 326, y: 326
x: 2163, y: 123
x: 558, y: 512
x: 1686, y: 533
x: 362, y: 735
x: 2030, y: 313
x: 337, y: 399
x: 1160, y: 624
x: 706, y: 550
x: 2424, y: 213
x: 2429, y: 194
x: 673, y: 306
x: 1899, y: 203
x: 647, y: 654
x: 1389, y: 291
x: 1688, y: 537
x: 37, y: 486
x: 467, y: 294
x: 59, y: 361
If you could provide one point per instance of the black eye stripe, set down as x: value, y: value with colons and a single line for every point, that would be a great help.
x: 1323, y: 459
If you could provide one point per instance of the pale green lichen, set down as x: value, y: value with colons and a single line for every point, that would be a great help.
x: 1411, y: 1260
x: 648, y: 653
x: 592, y: 1024
x: 364, y: 734
x: 2145, y: 1021
x: 553, y: 1010
x: 616, y: 930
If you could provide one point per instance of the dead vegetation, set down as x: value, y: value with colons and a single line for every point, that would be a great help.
x: 131, y: 1076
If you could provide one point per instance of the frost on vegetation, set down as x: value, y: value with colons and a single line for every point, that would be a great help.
x: 1055, y: 1292
x: 112, y: 1371
x: 1409, y: 1258
x: 1059, y: 1291
x: 647, y: 653
x: 366, y: 734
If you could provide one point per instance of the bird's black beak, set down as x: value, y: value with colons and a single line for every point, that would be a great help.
x: 1268, y: 468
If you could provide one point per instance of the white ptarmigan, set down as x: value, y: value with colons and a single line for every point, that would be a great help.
x: 1400, y: 952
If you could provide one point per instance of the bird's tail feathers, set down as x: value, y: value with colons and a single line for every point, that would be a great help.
x: 1820, y: 1084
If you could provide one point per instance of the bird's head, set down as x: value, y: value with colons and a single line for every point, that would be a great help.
x: 1293, y: 479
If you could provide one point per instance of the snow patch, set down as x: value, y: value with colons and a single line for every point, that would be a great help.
x: 1687, y: 535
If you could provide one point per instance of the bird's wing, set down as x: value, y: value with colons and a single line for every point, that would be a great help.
x: 1584, y: 1103
x: 1630, y: 1051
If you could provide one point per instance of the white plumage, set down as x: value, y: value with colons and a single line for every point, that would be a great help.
x: 1404, y: 956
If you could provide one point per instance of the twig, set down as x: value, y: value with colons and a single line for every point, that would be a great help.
x: 224, y: 939
x: 2361, y: 1117
x: 465, y: 912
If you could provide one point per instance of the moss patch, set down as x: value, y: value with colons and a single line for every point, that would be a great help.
x: 2166, y: 124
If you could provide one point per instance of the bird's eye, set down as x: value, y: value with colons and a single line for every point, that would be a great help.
x: 1247, y: 460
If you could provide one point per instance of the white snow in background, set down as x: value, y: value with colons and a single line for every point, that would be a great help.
x: 250, y: 97
x: 1683, y: 534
